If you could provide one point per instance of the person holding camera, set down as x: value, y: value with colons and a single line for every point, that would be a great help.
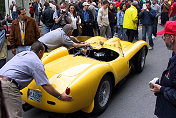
x: 147, y: 17
x: 61, y: 16
x: 165, y: 87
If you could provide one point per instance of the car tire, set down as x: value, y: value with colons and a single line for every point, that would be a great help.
x: 103, y: 95
x: 140, y: 60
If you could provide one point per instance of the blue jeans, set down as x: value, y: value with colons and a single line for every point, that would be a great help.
x: 121, y: 32
x: 48, y: 29
x: 147, y: 29
x: 14, y: 15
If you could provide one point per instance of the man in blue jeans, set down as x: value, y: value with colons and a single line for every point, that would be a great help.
x: 147, y: 16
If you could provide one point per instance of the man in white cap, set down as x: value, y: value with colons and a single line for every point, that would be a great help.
x: 87, y: 20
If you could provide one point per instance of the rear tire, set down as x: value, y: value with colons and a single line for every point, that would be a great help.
x: 139, y: 61
x: 103, y: 95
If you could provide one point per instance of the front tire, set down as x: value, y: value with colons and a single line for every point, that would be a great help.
x: 103, y: 95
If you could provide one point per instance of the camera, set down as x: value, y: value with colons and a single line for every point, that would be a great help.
x: 153, y: 81
x: 63, y: 11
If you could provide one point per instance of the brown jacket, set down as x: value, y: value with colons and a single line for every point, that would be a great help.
x: 32, y: 33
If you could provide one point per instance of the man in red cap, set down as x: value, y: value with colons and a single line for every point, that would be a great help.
x: 165, y: 87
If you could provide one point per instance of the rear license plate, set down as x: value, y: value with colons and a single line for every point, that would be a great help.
x: 35, y: 95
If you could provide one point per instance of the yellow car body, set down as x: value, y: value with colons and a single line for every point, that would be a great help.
x: 83, y: 74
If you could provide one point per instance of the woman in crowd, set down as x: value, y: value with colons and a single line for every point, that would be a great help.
x: 120, y: 16
x: 112, y: 17
x: 76, y: 20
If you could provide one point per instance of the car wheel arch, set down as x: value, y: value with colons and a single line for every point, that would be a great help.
x: 135, y: 57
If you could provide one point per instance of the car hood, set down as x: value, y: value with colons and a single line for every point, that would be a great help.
x: 63, y: 71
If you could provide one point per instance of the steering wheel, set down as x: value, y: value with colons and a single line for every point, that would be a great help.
x: 83, y: 50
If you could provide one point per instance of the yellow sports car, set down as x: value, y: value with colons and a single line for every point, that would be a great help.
x: 87, y: 73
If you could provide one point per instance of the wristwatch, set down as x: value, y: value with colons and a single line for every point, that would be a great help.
x: 60, y: 97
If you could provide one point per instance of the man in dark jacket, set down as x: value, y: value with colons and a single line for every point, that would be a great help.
x: 165, y: 87
x: 37, y: 11
x: 147, y: 16
x: 87, y: 20
x: 47, y: 17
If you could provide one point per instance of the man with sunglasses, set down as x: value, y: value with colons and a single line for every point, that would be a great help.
x: 165, y: 87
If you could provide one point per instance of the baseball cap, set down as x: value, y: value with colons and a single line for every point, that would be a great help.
x: 170, y: 28
x: 85, y: 3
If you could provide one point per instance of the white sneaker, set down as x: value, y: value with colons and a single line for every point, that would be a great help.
x: 150, y: 48
x: 153, y: 37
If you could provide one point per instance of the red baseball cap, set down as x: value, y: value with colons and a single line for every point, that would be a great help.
x: 170, y: 28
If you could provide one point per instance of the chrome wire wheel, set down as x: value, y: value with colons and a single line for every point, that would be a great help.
x: 104, y: 93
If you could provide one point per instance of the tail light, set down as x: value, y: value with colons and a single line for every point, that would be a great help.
x: 67, y: 91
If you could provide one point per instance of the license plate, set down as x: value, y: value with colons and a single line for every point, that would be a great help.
x: 35, y: 95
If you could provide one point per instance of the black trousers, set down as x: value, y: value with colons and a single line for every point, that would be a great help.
x: 155, y: 23
x: 130, y: 34
x: 87, y: 30
x: 164, y: 18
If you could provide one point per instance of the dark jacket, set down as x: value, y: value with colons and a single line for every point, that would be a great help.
x: 91, y: 17
x: 32, y: 33
x: 166, y: 99
x: 147, y: 17
x: 112, y: 17
x: 35, y: 7
x: 47, y: 17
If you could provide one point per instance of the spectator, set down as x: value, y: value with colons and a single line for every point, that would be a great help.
x: 62, y: 16
x: 47, y: 17
x: 13, y: 8
x: 24, y: 32
x: 112, y: 17
x: 131, y: 20
x: 94, y: 11
x: 120, y: 18
x: 38, y: 11
x: 164, y: 14
x: 172, y: 10
x: 129, y: 3
x: 164, y: 88
x: 17, y: 73
x: 51, y: 4
x: 157, y: 9
x: 3, y: 43
x: 87, y: 20
x: 61, y: 37
x: 147, y: 16
x: 31, y: 10
x: 103, y: 20
x: 76, y: 21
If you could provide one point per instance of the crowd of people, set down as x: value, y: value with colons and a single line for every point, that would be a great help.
x: 106, y: 18
x: 63, y: 22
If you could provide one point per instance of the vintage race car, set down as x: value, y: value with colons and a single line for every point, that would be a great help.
x: 90, y: 73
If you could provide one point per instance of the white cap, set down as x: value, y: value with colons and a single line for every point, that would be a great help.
x: 85, y: 3
x: 93, y: 3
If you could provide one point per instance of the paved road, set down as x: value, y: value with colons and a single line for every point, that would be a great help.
x: 133, y: 98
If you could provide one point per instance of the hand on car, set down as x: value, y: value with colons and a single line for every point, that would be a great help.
x: 65, y: 97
